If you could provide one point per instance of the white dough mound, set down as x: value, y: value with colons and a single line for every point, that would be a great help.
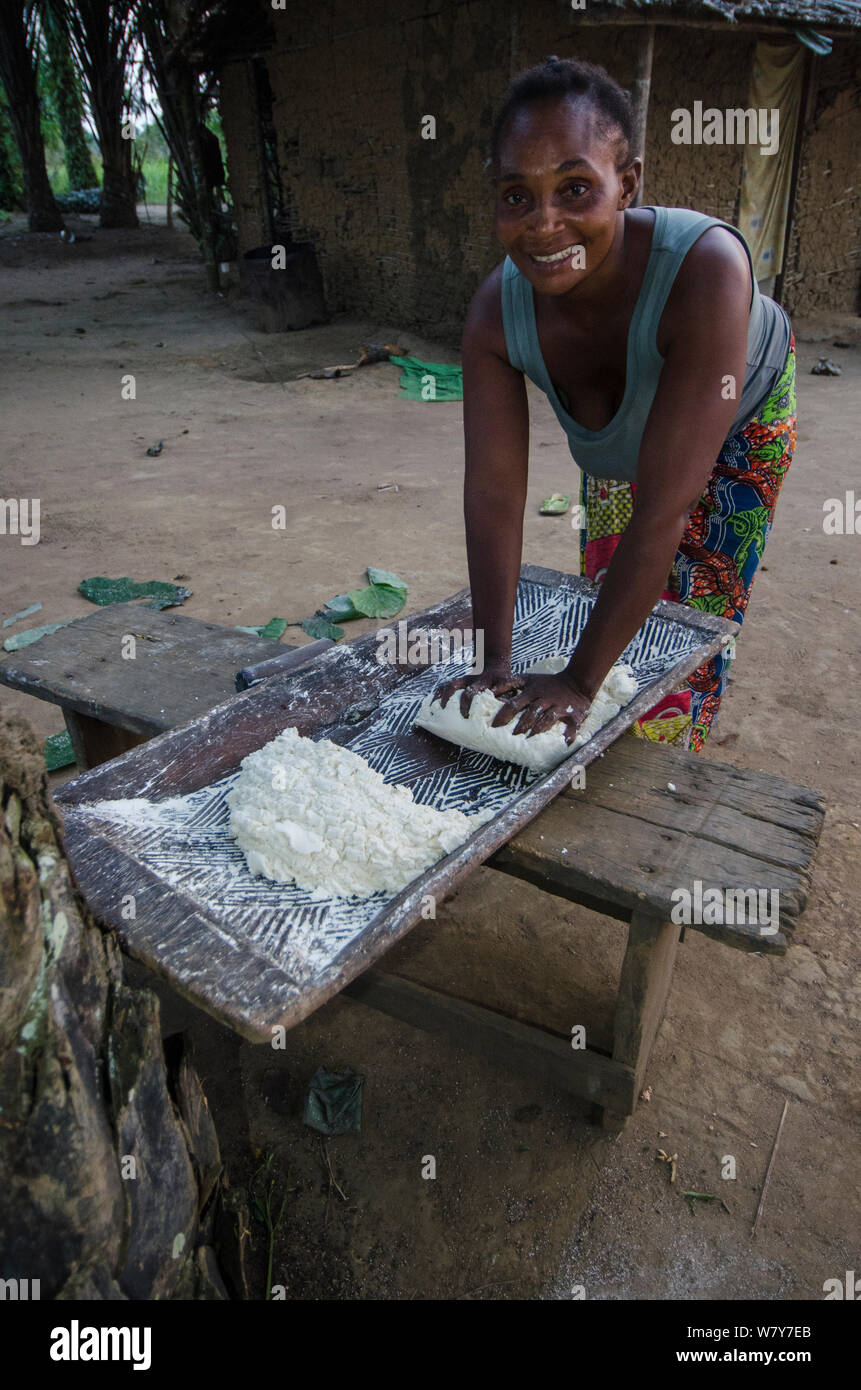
x: 317, y: 815
x: 539, y: 752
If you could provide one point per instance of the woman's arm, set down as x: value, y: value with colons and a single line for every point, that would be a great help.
x: 496, y: 446
x: 687, y: 425
x: 690, y: 418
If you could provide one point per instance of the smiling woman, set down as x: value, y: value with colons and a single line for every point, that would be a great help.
x: 672, y: 376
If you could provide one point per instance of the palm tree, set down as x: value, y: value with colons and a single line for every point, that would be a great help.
x: 65, y: 87
x: 18, y: 64
x: 171, y: 32
x: 101, y: 34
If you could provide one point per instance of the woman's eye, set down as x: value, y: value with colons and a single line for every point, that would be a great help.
x: 576, y: 188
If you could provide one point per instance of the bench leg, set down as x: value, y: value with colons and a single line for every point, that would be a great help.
x: 643, y: 989
x: 94, y: 742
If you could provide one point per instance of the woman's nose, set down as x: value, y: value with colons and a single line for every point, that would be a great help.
x: 546, y: 215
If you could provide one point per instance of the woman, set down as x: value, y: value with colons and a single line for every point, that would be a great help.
x: 672, y: 376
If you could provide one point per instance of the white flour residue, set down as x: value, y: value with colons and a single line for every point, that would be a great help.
x: 138, y: 810
x: 318, y: 815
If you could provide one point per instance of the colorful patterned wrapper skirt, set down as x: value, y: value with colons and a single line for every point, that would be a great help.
x: 718, y: 555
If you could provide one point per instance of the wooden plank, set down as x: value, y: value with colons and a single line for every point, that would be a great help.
x: 548, y: 1057
x: 182, y: 666
x: 628, y: 861
x: 634, y: 774
x: 627, y: 837
x: 344, y: 685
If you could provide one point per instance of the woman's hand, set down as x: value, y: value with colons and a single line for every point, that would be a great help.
x: 541, y: 702
x: 496, y: 676
x: 536, y: 702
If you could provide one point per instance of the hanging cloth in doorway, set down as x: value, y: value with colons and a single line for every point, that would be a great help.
x: 776, y: 83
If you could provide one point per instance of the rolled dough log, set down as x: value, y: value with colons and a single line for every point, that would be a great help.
x: 539, y: 752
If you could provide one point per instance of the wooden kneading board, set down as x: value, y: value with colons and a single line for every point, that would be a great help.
x: 256, y: 954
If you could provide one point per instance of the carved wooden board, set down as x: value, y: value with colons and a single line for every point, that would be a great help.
x: 256, y: 954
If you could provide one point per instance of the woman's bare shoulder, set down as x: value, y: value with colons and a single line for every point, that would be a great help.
x: 483, y: 327
x: 714, y: 277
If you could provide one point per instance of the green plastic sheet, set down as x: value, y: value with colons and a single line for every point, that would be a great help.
x: 429, y: 381
x: 58, y: 751
x: 104, y: 591
x: 334, y: 1102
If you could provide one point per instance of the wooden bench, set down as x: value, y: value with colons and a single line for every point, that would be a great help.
x: 651, y: 821
x: 110, y: 703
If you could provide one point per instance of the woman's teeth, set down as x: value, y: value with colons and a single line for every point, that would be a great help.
x: 559, y: 256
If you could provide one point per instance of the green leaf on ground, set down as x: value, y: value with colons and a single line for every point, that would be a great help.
x: 105, y: 591
x: 272, y: 630
x: 58, y: 751
x: 378, y: 600
x: 340, y: 608
x: 32, y: 634
x: 385, y: 577
x: 383, y: 598
x: 320, y: 626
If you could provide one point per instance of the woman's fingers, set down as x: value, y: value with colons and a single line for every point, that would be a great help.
x: 540, y: 705
x: 511, y: 708
x: 534, y: 718
x: 444, y: 692
x: 500, y: 686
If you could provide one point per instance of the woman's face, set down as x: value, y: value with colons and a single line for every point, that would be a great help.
x: 558, y: 188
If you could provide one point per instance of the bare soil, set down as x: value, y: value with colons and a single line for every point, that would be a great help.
x: 529, y: 1199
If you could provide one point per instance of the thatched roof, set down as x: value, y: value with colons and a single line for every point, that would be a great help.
x: 822, y: 14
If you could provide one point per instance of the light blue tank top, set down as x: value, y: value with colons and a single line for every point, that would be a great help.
x: 613, y: 451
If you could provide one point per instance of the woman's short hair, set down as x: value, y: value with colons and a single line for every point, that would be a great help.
x: 569, y: 77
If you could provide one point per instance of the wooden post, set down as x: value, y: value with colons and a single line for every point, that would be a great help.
x: 810, y: 82
x: 647, y: 973
x: 640, y: 96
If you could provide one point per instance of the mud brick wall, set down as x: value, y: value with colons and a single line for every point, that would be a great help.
x: 402, y: 225
x: 245, y: 172
x: 823, y: 267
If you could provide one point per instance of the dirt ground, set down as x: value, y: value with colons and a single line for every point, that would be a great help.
x: 529, y: 1199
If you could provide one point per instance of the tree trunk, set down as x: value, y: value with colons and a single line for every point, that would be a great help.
x: 110, y: 1174
x: 119, y: 201
x: 99, y: 33
x: 18, y: 76
x: 66, y: 88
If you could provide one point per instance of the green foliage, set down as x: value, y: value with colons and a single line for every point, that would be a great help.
x: 378, y: 600
x: 11, y: 180
x: 319, y: 626
x: 261, y: 1192
x: 382, y: 598
x: 272, y: 630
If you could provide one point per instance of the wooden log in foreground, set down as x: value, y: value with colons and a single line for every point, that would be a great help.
x: 111, y: 1182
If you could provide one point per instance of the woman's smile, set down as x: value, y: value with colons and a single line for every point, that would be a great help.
x: 569, y: 258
